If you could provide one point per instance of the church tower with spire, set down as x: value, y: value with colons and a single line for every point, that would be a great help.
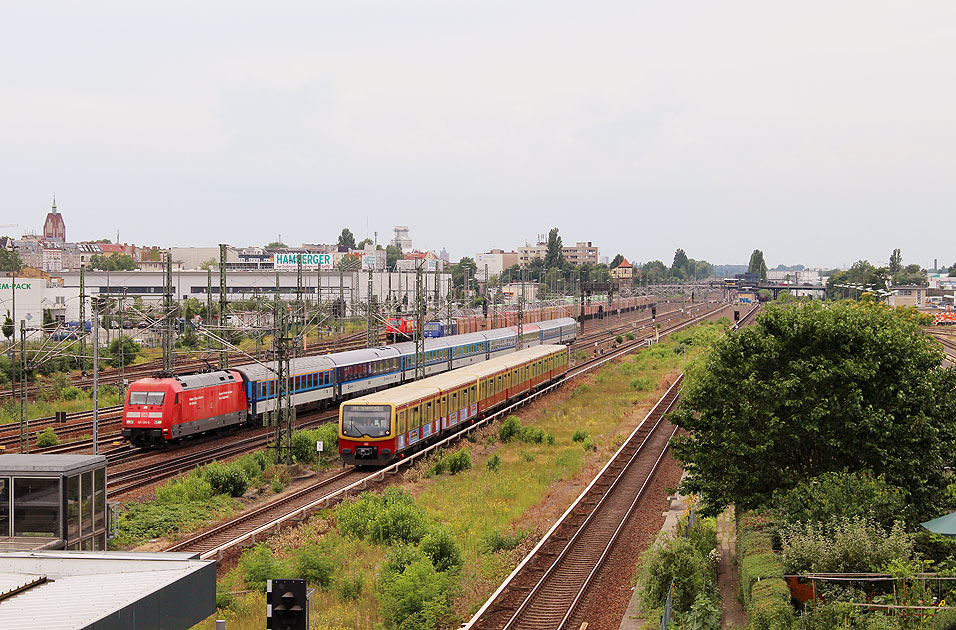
x: 54, y: 227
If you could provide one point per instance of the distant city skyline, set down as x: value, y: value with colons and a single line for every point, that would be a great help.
x: 820, y: 133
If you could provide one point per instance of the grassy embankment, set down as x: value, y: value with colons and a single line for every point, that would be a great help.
x: 495, y: 510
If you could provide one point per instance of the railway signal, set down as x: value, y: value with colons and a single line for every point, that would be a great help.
x: 287, y: 605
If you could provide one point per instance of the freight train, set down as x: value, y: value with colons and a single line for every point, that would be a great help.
x: 160, y: 410
x: 380, y: 428
x: 402, y: 328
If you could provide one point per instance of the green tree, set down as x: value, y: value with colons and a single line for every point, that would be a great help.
x: 116, y: 262
x: 896, y: 261
x: 347, y: 239
x: 679, y: 266
x: 8, y: 326
x: 952, y: 270
x: 808, y: 390
x: 10, y: 260
x: 361, y: 244
x: 459, y: 270
x: 48, y: 323
x: 123, y: 351
x: 554, y: 256
x: 206, y: 264
x: 757, y: 265
x: 276, y: 245
x: 393, y: 253
x: 617, y: 261
x: 654, y: 271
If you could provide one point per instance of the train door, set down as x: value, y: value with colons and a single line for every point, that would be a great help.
x: 401, y: 428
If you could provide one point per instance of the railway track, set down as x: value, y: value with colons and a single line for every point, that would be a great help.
x: 545, y: 589
x: 242, y: 531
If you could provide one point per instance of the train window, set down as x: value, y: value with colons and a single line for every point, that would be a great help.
x: 416, y: 419
x: 402, y: 427
x: 137, y: 398
x: 366, y: 420
x: 155, y: 398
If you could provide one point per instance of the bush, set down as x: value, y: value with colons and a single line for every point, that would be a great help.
x: 843, y: 545
x: 259, y: 565
x: 192, y: 487
x: 630, y: 336
x: 440, y: 546
x: 494, y: 463
x: 459, y: 461
x: 47, y: 437
x: 400, y: 557
x: 227, y: 479
x: 673, y: 560
x: 588, y: 445
x: 550, y: 439
x: 418, y: 599
x: 580, y: 435
x: 351, y: 587
x: 73, y: 393
x: 642, y: 384
x: 770, y: 606
x: 704, y: 614
x: 509, y: 428
x: 388, y: 518
x: 276, y: 484
x: 766, y: 595
x: 841, y: 495
x: 532, y: 435
x: 314, y: 565
x: 619, y: 340
x: 496, y: 541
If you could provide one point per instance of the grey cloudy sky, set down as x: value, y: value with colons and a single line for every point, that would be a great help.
x: 820, y: 132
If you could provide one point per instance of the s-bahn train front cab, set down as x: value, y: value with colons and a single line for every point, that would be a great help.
x: 366, y: 433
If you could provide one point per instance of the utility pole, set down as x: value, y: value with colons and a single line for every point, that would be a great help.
x: 168, y: 360
x: 520, y: 312
x: 96, y: 375
x: 208, y: 319
x: 283, y: 412
x: 223, y: 303
x: 419, y: 322
x: 122, y: 347
x: 371, y: 327
x: 83, y: 319
x: 24, y: 420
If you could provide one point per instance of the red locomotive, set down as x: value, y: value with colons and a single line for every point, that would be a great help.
x: 158, y: 410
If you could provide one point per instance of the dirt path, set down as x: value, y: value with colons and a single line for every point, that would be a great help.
x: 727, y: 576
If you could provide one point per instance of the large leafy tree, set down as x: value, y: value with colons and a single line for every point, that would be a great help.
x: 116, y: 262
x: 679, y: 266
x: 896, y: 261
x: 347, y: 239
x: 554, y: 256
x: 757, y: 265
x: 393, y: 253
x: 123, y: 351
x: 465, y: 266
x: 10, y: 260
x: 617, y: 260
x: 808, y: 390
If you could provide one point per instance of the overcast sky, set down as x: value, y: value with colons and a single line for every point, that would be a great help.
x: 819, y: 132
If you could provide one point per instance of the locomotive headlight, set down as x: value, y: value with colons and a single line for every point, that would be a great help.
x: 157, y: 421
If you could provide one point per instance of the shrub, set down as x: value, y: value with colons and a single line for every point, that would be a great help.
x: 314, y: 565
x: 224, y: 599
x: 581, y: 390
x: 418, y: 598
x: 72, y: 393
x: 765, y: 593
x: 770, y: 606
x: 459, y: 461
x: 226, y: 479
x: 630, y: 336
x: 496, y: 541
x: 276, y: 484
x: 47, y: 437
x: 259, y: 565
x: 704, y: 614
x: 843, y: 545
x: 440, y: 546
x: 391, y: 517
x: 351, y: 587
x: 192, y: 487
x: 844, y: 495
x: 526, y: 456
x: 619, y: 340
x: 494, y: 463
x: 588, y: 445
x: 580, y: 435
x: 642, y: 384
x: 550, y: 439
x: 509, y: 428
x: 673, y: 560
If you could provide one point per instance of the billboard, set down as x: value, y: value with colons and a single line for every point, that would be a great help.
x: 310, y: 262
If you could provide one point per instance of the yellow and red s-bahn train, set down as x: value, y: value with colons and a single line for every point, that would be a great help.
x: 380, y: 428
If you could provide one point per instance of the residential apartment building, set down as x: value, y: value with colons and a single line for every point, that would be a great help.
x: 582, y: 252
x: 495, y: 261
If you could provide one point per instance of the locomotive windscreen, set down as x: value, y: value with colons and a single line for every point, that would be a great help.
x: 366, y: 420
x: 146, y: 398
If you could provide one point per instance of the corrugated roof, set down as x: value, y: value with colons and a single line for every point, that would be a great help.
x: 83, y: 587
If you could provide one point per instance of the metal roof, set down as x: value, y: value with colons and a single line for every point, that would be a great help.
x: 39, y: 463
x: 66, y: 590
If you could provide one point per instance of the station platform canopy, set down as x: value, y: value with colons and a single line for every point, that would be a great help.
x: 95, y: 590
